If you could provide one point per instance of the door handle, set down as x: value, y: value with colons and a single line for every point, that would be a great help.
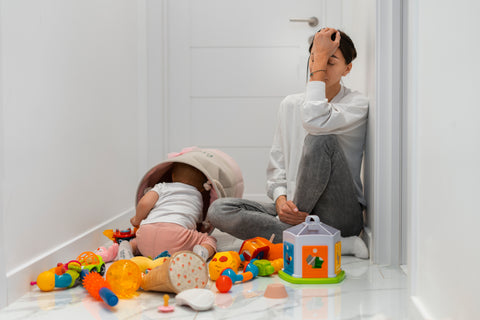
x: 312, y: 22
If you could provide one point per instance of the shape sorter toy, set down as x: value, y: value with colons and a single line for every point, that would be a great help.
x: 312, y: 253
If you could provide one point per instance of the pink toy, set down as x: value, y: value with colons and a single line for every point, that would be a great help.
x: 108, y: 254
x: 166, y: 307
x: 275, y: 291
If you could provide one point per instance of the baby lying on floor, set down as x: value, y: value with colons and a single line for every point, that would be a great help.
x: 167, y: 216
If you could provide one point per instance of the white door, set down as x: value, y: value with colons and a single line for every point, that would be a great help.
x: 230, y: 63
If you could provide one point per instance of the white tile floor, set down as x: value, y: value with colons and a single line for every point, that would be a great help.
x: 368, y: 292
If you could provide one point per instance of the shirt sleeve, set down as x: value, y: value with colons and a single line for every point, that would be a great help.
x: 321, y: 117
x: 276, y: 172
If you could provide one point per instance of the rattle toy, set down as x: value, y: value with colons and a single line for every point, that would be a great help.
x: 223, y: 284
x: 223, y: 260
x: 124, y: 277
x: 99, y: 288
x: 92, y: 262
x: 62, y: 276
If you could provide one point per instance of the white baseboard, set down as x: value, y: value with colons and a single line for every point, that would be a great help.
x: 368, y: 239
x: 417, y: 310
x: 18, y: 280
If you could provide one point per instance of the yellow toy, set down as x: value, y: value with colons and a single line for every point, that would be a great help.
x: 124, y: 277
x: 62, y: 276
x: 223, y: 260
x: 145, y: 263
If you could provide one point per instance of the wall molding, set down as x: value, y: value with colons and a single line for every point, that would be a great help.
x: 387, y: 175
x: 3, y: 277
x: 18, y: 279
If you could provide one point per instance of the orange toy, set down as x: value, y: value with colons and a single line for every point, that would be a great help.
x: 124, y: 277
x: 99, y: 288
x: 260, y: 248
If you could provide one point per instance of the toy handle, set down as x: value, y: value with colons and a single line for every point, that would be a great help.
x: 313, y: 222
x: 312, y: 219
x: 108, y: 296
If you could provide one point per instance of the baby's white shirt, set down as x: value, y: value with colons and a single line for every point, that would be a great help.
x: 177, y: 203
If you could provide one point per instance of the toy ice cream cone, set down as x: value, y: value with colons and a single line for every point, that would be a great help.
x: 184, y: 270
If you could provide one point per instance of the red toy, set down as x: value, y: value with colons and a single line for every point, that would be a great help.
x: 224, y: 284
x: 118, y: 236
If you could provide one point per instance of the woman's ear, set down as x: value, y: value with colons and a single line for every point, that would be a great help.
x: 348, y: 68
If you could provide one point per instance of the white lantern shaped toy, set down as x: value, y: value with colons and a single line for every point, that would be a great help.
x: 312, y: 253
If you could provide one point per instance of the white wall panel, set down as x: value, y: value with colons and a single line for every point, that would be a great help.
x: 252, y: 23
x: 71, y: 124
x: 244, y: 72
x: 234, y: 122
x: 253, y: 163
x: 446, y: 159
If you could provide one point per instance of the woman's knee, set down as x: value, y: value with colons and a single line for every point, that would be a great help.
x: 313, y: 143
x: 214, y: 210
x: 218, y: 209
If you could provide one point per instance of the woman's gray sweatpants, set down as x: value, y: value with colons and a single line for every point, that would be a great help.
x: 324, y: 188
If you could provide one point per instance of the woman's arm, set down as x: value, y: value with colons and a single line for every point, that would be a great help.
x: 321, y: 117
x: 322, y: 49
x: 276, y: 171
x: 146, y: 203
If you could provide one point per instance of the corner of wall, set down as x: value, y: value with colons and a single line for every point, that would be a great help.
x: 18, y: 280
x: 3, y: 277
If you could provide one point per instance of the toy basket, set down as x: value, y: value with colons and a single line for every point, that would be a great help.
x: 223, y: 173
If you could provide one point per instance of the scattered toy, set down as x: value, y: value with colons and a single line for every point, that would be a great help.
x: 197, y: 299
x: 166, y: 307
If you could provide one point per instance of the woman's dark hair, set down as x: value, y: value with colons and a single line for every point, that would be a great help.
x: 346, y: 46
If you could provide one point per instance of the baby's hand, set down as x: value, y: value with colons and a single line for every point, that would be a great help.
x: 134, y: 222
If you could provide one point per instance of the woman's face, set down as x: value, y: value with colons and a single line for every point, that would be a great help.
x: 336, y: 69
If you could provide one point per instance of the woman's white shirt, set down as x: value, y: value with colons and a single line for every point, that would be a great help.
x: 311, y: 113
